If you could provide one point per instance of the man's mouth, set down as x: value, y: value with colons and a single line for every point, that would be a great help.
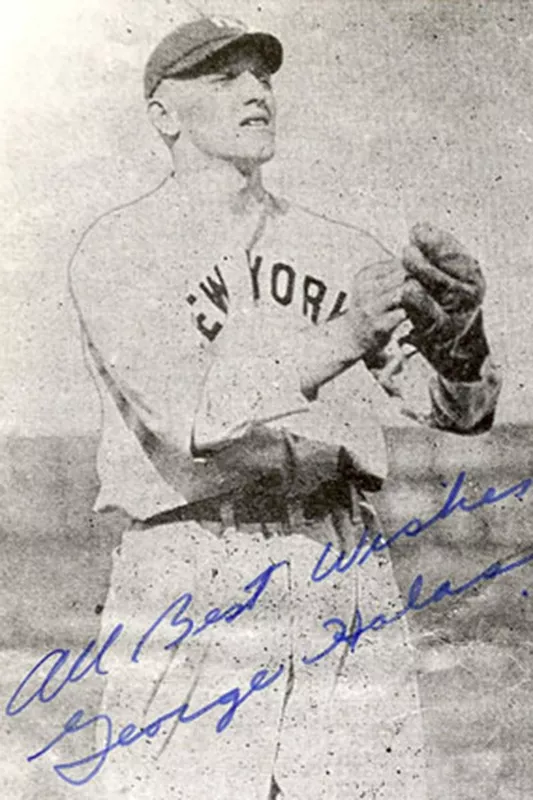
x: 259, y: 120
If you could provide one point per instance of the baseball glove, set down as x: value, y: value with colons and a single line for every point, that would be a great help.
x: 442, y: 297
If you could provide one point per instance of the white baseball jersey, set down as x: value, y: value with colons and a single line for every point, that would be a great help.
x: 196, y: 321
x: 198, y: 314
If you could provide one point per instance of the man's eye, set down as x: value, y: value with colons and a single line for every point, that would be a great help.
x: 222, y: 77
x: 230, y: 75
x: 263, y: 77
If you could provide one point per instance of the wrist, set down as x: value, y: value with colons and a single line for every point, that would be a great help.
x: 329, y: 351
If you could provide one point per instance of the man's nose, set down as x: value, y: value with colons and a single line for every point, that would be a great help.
x: 253, y: 86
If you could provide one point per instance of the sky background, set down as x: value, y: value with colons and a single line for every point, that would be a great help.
x: 390, y: 112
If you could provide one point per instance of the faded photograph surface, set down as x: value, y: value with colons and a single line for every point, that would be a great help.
x: 266, y: 401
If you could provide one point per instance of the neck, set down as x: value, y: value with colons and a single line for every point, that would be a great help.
x: 207, y: 181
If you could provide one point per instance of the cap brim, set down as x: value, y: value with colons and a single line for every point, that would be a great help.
x: 267, y: 45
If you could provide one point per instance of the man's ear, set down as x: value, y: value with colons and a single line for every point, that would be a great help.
x: 163, y: 118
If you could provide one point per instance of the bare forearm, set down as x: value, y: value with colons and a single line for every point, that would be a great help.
x: 326, y: 353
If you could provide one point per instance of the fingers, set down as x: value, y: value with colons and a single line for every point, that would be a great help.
x: 381, y: 294
x: 415, y: 264
x: 423, y: 311
x: 434, y: 242
x: 384, y: 327
x: 391, y: 299
x: 395, y: 318
x: 443, y: 250
x: 385, y: 275
x: 452, y: 293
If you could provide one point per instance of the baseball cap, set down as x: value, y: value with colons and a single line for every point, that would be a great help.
x: 192, y: 43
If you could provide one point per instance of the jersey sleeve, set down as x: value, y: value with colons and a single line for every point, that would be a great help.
x: 465, y: 407
x: 425, y: 396
x: 141, y: 346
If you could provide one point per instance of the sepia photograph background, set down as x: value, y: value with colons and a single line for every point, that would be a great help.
x: 390, y: 112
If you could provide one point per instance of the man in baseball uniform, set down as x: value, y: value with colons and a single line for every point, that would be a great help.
x: 235, y: 340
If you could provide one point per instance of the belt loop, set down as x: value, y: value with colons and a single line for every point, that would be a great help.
x: 295, y: 513
x: 355, y: 501
x: 227, y: 514
x: 361, y: 509
x: 369, y: 516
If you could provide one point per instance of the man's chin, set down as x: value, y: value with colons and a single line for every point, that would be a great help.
x: 247, y: 160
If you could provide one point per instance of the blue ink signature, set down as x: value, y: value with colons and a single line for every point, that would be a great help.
x: 59, y: 658
x: 90, y: 661
x: 80, y: 668
x: 351, y: 635
x: 213, y: 616
x: 343, y: 561
x: 130, y: 734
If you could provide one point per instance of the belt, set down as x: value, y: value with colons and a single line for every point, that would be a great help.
x: 259, y: 507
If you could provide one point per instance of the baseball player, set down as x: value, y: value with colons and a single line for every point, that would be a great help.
x: 235, y: 340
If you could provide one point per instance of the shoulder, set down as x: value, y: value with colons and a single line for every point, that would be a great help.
x: 119, y: 246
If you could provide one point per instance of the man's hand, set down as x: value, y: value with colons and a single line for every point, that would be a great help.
x: 376, y: 306
x: 442, y: 297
